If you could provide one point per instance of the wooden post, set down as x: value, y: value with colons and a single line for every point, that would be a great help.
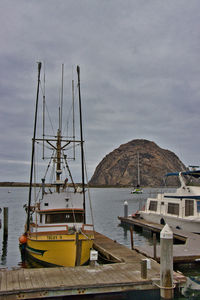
x: 154, y: 246
x: 131, y: 234
x: 143, y: 268
x: 166, y: 263
x: 5, y: 222
x: 125, y: 209
x: 78, y: 250
x: 0, y: 219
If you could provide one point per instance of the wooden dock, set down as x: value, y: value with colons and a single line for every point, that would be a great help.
x: 122, y: 276
x: 187, y: 252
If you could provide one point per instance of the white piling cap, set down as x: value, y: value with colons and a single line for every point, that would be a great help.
x: 125, y: 202
x: 166, y: 232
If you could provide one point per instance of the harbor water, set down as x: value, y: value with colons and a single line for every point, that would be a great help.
x: 107, y: 205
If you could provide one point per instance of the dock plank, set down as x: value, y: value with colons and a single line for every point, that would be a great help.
x: 3, y: 280
x: 22, y: 281
x: 28, y: 279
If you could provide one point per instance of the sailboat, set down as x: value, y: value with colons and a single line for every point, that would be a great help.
x: 56, y: 233
x: 137, y: 190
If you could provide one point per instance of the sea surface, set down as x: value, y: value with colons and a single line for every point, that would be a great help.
x: 107, y: 205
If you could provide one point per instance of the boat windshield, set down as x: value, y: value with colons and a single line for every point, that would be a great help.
x: 198, y: 206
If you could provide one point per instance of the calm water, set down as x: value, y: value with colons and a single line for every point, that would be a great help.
x: 107, y: 205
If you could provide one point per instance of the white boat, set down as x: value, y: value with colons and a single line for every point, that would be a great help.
x: 137, y: 190
x: 180, y: 209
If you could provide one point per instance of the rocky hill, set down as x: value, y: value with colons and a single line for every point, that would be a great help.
x: 120, y: 167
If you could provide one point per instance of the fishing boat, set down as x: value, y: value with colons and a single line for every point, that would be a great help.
x: 138, y: 189
x: 180, y: 209
x: 56, y: 233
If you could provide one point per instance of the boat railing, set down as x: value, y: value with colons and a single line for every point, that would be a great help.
x: 43, y: 228
x: 48, y: 227
x: 87, y: 227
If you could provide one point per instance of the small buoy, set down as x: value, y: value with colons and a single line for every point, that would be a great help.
x: 23, y: 239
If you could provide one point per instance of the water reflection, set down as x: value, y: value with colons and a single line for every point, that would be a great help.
x: 4, y: 250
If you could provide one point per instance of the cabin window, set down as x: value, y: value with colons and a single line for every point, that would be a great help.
x: 198, y: 206
x: 40, y: 218
x: 189, y: 208
x: 173, y: 208
x: 153, y: 205
x: 63, y: 218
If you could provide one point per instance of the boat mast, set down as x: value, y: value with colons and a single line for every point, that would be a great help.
x: 33, y: 149
x: 59, y: 134
x: 81, y: 136
x: 61, y: 104
x: 58, y: 167
x: 73, y: 119
x: 43, y: 117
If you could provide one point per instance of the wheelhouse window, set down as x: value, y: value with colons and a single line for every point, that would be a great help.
x: 173, y: 208
x: 68, y: 217
x: 198, y: 206
x: 189, y: 208
x: 153, y: 205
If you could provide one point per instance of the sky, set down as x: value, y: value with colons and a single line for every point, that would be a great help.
x: 140, y: 74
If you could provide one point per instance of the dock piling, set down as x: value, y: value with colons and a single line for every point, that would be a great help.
x: 143, y: 268
x: 132, y: 241
x: 154, y: 246
x: 5, y: 222
x: 166, y: 263
x: 125, y: 209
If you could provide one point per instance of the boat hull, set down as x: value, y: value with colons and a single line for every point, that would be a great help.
x: 188, y: 225
x: 60, y: 250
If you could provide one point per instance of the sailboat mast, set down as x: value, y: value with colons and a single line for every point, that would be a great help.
x: 33, y: 149
x: 81, y: 136
x: 138, y: 161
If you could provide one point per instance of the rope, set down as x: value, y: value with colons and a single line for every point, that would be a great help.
x: 85, y: 235
x: 165, y: 287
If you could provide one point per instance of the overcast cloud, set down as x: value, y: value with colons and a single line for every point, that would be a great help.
x: 140, y: 73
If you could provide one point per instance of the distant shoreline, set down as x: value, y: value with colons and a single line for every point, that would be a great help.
x: 18, y: 184
x: 26, y: 184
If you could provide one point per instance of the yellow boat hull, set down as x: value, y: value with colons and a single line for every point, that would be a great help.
x: 67, y: 250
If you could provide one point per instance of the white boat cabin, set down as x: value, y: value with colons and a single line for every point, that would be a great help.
x: 168, y: 204
x: 59, y: 211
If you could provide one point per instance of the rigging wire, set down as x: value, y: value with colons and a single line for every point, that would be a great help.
x: 50, y: 119
x: 89, y: 196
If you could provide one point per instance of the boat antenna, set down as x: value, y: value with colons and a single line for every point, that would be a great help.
x: 61, y: 100
x: 33, y: 149
x: 81, y: 136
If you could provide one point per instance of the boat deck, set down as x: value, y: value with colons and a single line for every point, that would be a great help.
x: 183, y: 253
x: 125, y: 275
